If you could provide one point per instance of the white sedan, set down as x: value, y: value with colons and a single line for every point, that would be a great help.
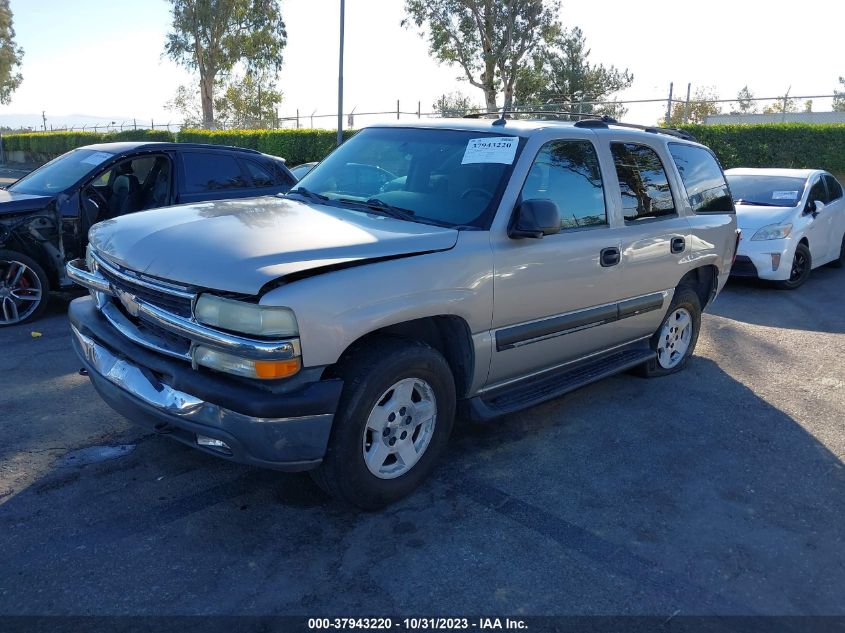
x: 792, y: 220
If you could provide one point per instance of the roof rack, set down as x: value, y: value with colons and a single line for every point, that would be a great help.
x: 501, y: 114
x: 646, y: 128
x: 589, y: 120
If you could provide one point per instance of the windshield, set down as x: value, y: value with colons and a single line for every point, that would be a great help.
x: 60, y: 173
x: 446, y: 177
x: 766, y: 191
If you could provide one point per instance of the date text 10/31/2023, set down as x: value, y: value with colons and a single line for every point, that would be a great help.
x: 416, y: 624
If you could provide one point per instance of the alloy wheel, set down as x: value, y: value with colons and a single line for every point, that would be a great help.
x: 675, y: 337
x: 20, y: 292
x: 399, y: 428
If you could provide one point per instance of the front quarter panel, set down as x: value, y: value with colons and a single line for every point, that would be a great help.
x: 334, y: 309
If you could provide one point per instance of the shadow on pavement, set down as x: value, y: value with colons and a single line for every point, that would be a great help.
x: 686, y: 494
x: 817, y: 305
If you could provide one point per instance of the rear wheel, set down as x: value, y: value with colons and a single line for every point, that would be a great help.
x: 675, y: 339
x: 802, y: 264
x: 393, y: 422
x: 24, y: 288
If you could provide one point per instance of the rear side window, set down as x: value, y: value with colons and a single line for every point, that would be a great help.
x: 567, y: 172
x: 703, y: 179
x: 834, y: 189
x: 261, y: 175
x: 643, y: 182
x: 211, y: 172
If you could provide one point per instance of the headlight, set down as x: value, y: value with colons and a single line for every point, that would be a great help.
x: 231, y: 364
x: 772, y: 232
x: 249, y: 318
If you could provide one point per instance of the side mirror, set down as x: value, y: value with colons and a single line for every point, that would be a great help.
x: 534, y: 219
x: 814, y: 206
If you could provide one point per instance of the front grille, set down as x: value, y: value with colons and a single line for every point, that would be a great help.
x: 159, y: 298
x: 743, y: 267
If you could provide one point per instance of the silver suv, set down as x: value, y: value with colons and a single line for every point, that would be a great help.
x: 463, y: 266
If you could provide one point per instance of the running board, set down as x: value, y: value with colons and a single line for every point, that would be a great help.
x: 531, y: 391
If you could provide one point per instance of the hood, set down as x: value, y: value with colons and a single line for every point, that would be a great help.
x: 241, y: 245
x: 749, y: 218
x: 13, y: 202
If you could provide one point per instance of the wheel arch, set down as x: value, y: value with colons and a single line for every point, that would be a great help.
x: 449, y: 334
x: 704, y: 280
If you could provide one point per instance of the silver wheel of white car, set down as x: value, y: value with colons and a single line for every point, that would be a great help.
x: 399, y: 428
x: 675, y: 338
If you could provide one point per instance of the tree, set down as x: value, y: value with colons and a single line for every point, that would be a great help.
x: 696, y: 110
x: 10, y: 55
x: 561, y: 74
x: 212, y: 36
x: 839, y: 97
x: 745, y: 102
x: 491, y: 40
x: 248, y: 102
x: 453, y: 105
x: 782, y: 105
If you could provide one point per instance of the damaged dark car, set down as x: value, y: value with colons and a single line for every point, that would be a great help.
x: 45, y: 216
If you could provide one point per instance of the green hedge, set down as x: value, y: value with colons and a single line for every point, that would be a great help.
x: 51, y: 144
x: 775, y: 145
x: 295, y: 146
x: 796, y: 145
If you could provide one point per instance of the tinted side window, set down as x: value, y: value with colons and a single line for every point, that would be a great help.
x: 818, y: 192
x: 705, y: 184
x: 211, y: 172
x: 261, y: 176
x: 643, y: 181
x: 834, y: 189
x: 567, y: 172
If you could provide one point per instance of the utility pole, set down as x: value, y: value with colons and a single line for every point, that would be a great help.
x: 340, y: 78
x: 669, y: 104
x: 686, y: 105
x: 44, y: 119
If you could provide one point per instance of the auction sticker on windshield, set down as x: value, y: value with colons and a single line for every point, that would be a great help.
x: 492, y: 149
x: 96, y: 158
x: 784, y: 195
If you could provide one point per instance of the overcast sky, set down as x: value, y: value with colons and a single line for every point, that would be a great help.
x: 103, y: 57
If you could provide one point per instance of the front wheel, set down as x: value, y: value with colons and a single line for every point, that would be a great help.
x: 24, y: 288
x: 393, y: 422
x: 675, y: 339
x: 802, y: 263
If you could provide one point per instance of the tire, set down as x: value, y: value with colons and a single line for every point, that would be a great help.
x: 24, y: 288
x: 802, y: 264
x: 373, y: 379
x: 840, y: 262
x: 675, y: 339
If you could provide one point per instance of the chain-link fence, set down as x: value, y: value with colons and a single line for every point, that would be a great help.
x: 670, y: 111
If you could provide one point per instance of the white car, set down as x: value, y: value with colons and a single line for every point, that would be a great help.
x: 792, y: 220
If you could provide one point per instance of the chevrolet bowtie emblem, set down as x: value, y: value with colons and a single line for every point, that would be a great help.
x: 129, y: 301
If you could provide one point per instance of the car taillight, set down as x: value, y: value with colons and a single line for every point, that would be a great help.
x: 736, y: 246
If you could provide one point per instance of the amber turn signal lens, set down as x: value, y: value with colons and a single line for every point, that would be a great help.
x: 269, y: 369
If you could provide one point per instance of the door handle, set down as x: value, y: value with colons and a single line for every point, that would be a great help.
x: 678, y: 245
x: 609, y: 256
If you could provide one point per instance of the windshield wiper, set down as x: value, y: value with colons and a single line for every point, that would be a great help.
x: 380, y: 206
x: 305, y: 193
x: 754, y: 203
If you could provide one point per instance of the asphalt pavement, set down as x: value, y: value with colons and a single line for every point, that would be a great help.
x: 719, y: 490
